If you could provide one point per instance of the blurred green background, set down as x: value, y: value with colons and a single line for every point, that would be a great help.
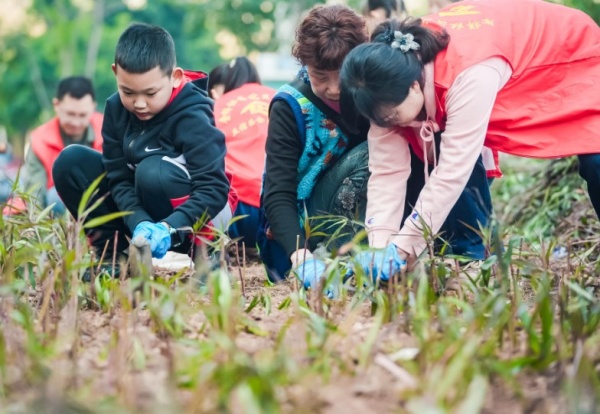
x: 42, y: 41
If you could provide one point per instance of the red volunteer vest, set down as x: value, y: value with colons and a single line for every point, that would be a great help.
x: 242, y: 115
x: 46, y: 142
x: 551, y: 105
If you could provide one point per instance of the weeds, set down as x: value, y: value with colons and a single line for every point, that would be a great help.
x: 221, y: 340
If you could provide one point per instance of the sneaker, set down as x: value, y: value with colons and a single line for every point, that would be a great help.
x: 467, y: 273
x: 472, y: 269
x: 207, y: 263
x: 104, y: 269
x: 215, y: 259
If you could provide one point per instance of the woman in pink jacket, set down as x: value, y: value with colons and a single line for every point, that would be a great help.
x: 518, y: 76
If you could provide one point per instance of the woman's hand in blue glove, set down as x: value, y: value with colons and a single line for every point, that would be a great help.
x: 381, y: 263
x: 310, y: 272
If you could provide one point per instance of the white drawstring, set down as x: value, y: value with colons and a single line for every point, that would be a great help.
x: 427, y: 131
x: 429, y: 127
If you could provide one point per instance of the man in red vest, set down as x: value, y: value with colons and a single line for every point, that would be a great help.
x: 76, y: 122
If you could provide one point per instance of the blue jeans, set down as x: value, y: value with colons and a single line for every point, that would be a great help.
x: 472, y: 211
x: 589, y: 170
x: 470, y: 214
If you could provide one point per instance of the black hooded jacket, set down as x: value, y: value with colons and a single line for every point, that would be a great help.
x: 184, y: 130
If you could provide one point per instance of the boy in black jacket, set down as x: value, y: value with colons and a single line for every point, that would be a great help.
x: 163, y: 156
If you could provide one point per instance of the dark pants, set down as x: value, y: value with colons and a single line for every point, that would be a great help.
x: 461, y: 230
x: 247, y: 227
x: 157, y: 182
x: 343, y: 192
x: 589, y: 169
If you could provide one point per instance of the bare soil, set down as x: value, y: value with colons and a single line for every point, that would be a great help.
x: 97, y: 357
x: 376, y: 389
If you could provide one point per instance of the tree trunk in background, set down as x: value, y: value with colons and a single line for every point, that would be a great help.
x: 38, y: 83
x: 95, y: 39
x: 67, y: 52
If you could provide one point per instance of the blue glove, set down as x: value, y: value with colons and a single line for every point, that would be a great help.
x: 157, y: 235
x: 382, y: 263
x: 160, y: 241
x: 310, y: 272
x: 143, y: 229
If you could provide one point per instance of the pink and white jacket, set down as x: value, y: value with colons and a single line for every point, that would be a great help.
x: 462, y: 143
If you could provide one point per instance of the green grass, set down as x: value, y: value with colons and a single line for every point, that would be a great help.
x: 206, y: 343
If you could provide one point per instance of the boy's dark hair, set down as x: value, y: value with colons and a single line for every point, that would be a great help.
x: 239, y: 72
x: 217, y: 76
x: 326, y: 35
x: 75, y: 86
x: 142, y: 47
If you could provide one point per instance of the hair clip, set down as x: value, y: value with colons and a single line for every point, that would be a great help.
x: 404, y: 42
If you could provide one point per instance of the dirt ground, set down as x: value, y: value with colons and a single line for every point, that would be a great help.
x: 377, y: 389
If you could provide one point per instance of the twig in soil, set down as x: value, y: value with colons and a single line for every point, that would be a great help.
x: 47, y: 293
x: 402, y: 375
x: 316, y: 296
x: 97, y: 269
x: 243, y: 266
x: 114, y: 256
x: 569, y: 252
x: 237, y: 258
x: 295, y: 279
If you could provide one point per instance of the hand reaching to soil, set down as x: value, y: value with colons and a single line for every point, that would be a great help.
x: 381, y: 263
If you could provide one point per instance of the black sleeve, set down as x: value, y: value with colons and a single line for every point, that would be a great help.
x: 283, y: 150
x: 120, y: 176
x: 203, y: 146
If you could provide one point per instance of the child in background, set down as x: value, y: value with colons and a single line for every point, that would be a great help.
x: 242, y: 114
x: 216, y: 81
x: 162, y: 154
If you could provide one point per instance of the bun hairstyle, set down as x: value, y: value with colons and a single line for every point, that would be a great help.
x: 378, y: 75
x: 430, y: 42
